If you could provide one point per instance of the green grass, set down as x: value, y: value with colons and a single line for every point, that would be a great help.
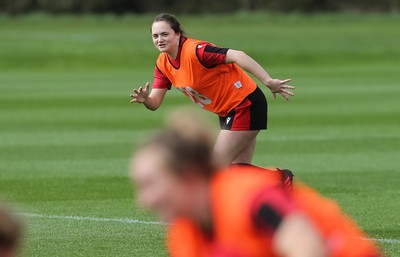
x: 67, y: 128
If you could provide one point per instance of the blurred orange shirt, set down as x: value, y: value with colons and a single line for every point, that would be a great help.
x: 218, y: 89
x: 238, y: 196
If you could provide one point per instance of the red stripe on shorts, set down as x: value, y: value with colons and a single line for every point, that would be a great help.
x: 242, y: 119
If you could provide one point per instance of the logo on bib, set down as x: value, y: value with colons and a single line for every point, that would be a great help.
x: 238, y: 84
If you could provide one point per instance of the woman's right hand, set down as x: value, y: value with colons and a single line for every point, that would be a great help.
x: 140, y: 95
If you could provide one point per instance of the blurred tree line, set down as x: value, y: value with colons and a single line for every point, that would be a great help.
x: 194, y: 6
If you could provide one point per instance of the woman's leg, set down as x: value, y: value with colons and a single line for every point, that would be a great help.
x: 247, y: 155
x: 235, y: 147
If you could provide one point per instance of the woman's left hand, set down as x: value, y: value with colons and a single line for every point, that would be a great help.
x: 279, y: 87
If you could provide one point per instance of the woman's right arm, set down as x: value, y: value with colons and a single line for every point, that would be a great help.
x: 151, y: 100
x: 277, y: 216
x: 296, y: 236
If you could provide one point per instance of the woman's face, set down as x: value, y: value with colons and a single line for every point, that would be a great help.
x: 164, y: 37
x: 158, y: 189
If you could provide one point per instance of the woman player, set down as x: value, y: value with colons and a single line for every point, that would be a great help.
x: 213, y: 78
x: 245, y: 212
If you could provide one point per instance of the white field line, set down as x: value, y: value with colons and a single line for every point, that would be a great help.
x: 118, y: 220
x: 384, y: 240
x: 135, y: 221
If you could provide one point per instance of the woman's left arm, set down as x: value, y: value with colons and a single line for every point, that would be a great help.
x: 250, y: 65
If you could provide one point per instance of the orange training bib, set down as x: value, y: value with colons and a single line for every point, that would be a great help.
x: 219, y: 89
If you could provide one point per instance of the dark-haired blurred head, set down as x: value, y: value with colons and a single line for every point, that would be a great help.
x: 10, y: 232
x: 174, y: 165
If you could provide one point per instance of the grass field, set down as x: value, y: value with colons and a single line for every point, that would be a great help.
x: 67, y: 128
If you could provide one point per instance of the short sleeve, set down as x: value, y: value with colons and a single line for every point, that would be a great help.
x: 211, y: 56
x: 160, y: 80
x: 270, y: 208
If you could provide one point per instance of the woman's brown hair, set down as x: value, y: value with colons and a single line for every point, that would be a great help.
x: 172, y: 22
x: 187, y: 143
x: 10, y: 229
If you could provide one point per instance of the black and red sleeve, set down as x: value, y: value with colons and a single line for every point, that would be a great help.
x: 270, y: 208
x: 211, y: 56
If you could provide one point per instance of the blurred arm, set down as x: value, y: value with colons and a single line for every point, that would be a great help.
x: 296, y: 236
x: 276, y: 215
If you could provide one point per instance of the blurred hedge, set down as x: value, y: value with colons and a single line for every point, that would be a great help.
x: 194, y: 6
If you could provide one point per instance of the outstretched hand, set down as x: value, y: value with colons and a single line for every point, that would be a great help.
x: 141, y: 94
x: 279, y: 87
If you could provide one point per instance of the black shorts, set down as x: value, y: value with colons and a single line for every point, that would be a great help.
x: 251, y: 114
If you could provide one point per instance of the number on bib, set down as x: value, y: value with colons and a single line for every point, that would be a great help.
x: 195, y: 96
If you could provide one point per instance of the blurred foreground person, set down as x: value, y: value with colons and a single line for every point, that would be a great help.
x: 246, y: 212
x: 10, y: 232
